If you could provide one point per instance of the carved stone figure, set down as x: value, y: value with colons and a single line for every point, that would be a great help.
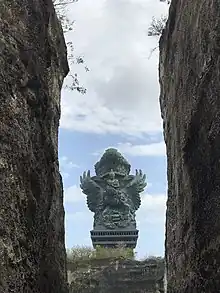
x: 113, y: 195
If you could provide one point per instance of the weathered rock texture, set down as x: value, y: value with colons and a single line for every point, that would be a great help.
x: 116, y: 276
x: 190, y: 103
x: 32, y: 67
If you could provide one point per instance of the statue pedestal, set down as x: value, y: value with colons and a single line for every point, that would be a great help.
x: 111, y: 238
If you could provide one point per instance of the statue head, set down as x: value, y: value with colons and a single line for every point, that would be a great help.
x: 111, y: 175
x: 111, y: 180
x: 112, y: 163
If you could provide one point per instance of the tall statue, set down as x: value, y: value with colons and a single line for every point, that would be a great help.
x: 113, y: 195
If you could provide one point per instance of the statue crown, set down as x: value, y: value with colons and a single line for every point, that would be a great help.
x: 112, y: 160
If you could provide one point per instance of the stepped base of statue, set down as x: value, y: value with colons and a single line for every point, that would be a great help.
x: 113, y: 238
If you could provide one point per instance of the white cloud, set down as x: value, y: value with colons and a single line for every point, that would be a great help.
x: 78, y: 224
x: 138, y: 150
x: 153, y: 209
x: 77, y: 217
x: 73, y: 194
x: 154, y: 149
x: 65, y: 166
x: 65, y: 175
x: 66, y: 163
x: 122, y: 84
x: 151, y: 224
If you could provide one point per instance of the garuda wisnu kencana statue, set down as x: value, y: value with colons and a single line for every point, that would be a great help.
x: 113, y: 195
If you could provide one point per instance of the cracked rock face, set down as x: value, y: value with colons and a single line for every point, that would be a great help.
x: 116, y: 276
x: 33, y: 65
x: 190, y: 105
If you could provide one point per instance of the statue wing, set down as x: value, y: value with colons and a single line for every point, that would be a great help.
x: 133, y: 186
x: 92, y: 189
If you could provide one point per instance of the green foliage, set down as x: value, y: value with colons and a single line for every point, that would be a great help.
x: 61, y: 10
x: 80, y: 253
x: 157, y: 25
x: 61, y: 7
x: 83, y: 253
x: 154, y: 258
x: 86, y: 266
x: 167, y: 1
x: 120, y: 251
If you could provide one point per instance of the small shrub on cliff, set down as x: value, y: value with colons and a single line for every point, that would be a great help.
x: 157, y: 261
x: 152, y: 258
x: 61, y: 10
x: 61, y: 7
x: 157, y: 24
x: 156, y: 27
x: 167, y: 1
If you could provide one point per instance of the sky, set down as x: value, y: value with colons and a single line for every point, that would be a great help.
x: 120, y: 109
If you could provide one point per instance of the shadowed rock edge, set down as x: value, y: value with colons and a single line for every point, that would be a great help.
x: 190, y: 106
x: 33, y: 64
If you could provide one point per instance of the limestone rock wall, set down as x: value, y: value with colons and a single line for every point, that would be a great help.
x: 116, y: 276
x: 32, y: 67
x: 190, y: 104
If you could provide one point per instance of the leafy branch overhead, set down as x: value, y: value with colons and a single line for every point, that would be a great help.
x: 68, y: 26
x: 156, y: 27
x: 157, y: 24
x: 63, y: 2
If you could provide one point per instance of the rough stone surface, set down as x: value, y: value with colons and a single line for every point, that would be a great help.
x: 32, y: 67
x: 116, y: 276
x: 190, y: 104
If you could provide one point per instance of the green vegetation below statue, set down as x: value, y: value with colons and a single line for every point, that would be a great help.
x: 107, y: 270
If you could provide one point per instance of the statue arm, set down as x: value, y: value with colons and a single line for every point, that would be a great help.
x: 138, y: 182
x: 135, y: 185
x: 92, y: 190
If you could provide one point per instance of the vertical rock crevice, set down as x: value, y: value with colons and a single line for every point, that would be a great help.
x: 33, y: 64
x: 190, y: 105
